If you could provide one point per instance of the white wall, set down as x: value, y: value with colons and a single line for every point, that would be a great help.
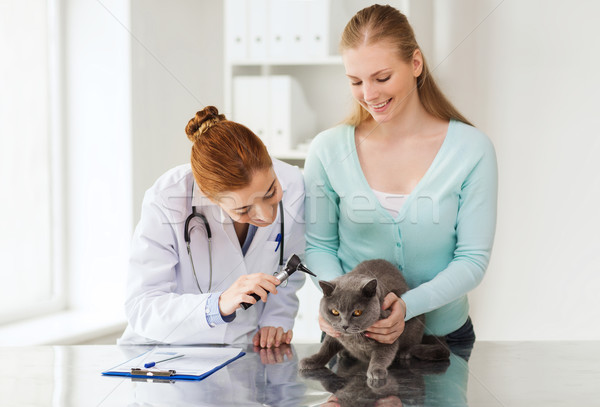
x: 177, y: 69
x: 528, y: 77
x: 525, y: 75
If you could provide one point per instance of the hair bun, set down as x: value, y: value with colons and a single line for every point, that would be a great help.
x: 202, y: 121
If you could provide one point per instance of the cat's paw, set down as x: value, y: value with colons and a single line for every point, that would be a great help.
x: 377, y: 373
x: 321, y: 373
x: 310, y: 363
x: 376, y: 378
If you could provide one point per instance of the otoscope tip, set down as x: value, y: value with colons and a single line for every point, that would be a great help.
x: 294, y: 264
x: 306, y: 270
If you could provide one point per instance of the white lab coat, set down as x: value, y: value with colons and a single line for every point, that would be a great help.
x: 163, y: 303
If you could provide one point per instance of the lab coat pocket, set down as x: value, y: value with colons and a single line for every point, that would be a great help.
x: 270, y: 257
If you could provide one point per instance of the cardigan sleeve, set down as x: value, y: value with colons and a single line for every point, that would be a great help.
x: 322, y: 216
x: 475, y: 229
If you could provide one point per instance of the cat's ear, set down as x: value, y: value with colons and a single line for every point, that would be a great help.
x: 370, y: 289
x: 327, y: 287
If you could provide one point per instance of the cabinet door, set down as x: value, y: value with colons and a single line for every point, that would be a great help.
x: 288, y: 29
x: 258, y: 24
x: 317, y: 36
x: 236, y: 29
x: 251, y: 104
x: 281, y: 114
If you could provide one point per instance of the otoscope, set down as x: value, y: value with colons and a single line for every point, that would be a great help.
x: 291, y: 266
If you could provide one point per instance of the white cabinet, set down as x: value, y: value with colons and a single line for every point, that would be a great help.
x: 284, y: 78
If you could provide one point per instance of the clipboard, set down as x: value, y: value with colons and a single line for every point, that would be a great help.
x: 196, y: 363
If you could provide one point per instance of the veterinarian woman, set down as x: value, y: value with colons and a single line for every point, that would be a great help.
x: 241, y: 214
x: 406, y: 179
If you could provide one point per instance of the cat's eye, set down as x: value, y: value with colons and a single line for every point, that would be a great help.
x: 335, y: 312
x: 357, y: 312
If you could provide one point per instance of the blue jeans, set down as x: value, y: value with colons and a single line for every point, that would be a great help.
x: 461, y: 341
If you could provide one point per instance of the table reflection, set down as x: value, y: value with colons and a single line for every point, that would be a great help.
x: 409, y: 383
x: 498, y: 373
x: 261, y: 377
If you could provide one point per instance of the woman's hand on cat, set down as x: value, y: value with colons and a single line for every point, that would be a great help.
x: 332, y: 401
x: 389, y: 329
x: 269, y: 336
x: 327, y: 328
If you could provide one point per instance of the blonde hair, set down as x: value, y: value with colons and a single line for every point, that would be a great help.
x: 225, y: 154
x: 385, y: 23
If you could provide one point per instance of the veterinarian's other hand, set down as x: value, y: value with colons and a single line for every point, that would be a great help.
x: 273, y: 356
x: 389, y: 329
x: 269, y: 336
x: 328, y: 329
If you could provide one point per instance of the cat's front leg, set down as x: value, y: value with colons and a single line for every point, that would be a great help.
x: 381, y: 358
x: 329, y: 348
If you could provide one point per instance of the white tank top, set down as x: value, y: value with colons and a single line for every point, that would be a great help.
x: 390, y: 202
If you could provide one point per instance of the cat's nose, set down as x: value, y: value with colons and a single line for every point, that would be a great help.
x: 345, y: 327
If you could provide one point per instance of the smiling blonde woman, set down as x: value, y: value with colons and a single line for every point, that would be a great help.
x: 406, y: 179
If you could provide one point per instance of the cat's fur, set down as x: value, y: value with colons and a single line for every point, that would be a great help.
x: 364, y: 289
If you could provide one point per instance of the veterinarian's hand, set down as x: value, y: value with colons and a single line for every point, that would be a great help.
x: 274, y: 356
x: 328, y: 329
x: 269, y: 336
x: 389, y: 329
x: 240, y: 290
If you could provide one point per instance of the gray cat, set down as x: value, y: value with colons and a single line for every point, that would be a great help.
x: 352, y: 303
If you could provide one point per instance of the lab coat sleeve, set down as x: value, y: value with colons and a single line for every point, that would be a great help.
x: 281, y: 309
x: 153, y: 309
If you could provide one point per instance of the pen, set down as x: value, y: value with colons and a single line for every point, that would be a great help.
x: 152, y: 364
x: 278, y: 240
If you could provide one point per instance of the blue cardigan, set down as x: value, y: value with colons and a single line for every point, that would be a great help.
x: 442, y: 238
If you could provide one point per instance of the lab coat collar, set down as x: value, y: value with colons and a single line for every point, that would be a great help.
x: 200, y: 200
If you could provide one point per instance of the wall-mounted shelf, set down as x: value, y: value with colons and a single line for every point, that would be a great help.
x: 294, y: 41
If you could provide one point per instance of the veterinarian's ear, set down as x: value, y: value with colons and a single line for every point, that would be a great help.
x: 327, y: 287
x: 370, y: 288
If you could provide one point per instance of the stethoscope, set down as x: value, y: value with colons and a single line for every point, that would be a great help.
x: 187, y: 238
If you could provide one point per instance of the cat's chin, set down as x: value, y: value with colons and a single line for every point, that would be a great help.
x: 352, y: 332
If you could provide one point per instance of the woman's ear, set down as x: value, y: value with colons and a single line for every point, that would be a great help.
x: 327, y: 287
x: 417, y: 63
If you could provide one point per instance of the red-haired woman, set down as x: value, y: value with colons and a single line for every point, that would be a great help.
x: 211, y: 234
